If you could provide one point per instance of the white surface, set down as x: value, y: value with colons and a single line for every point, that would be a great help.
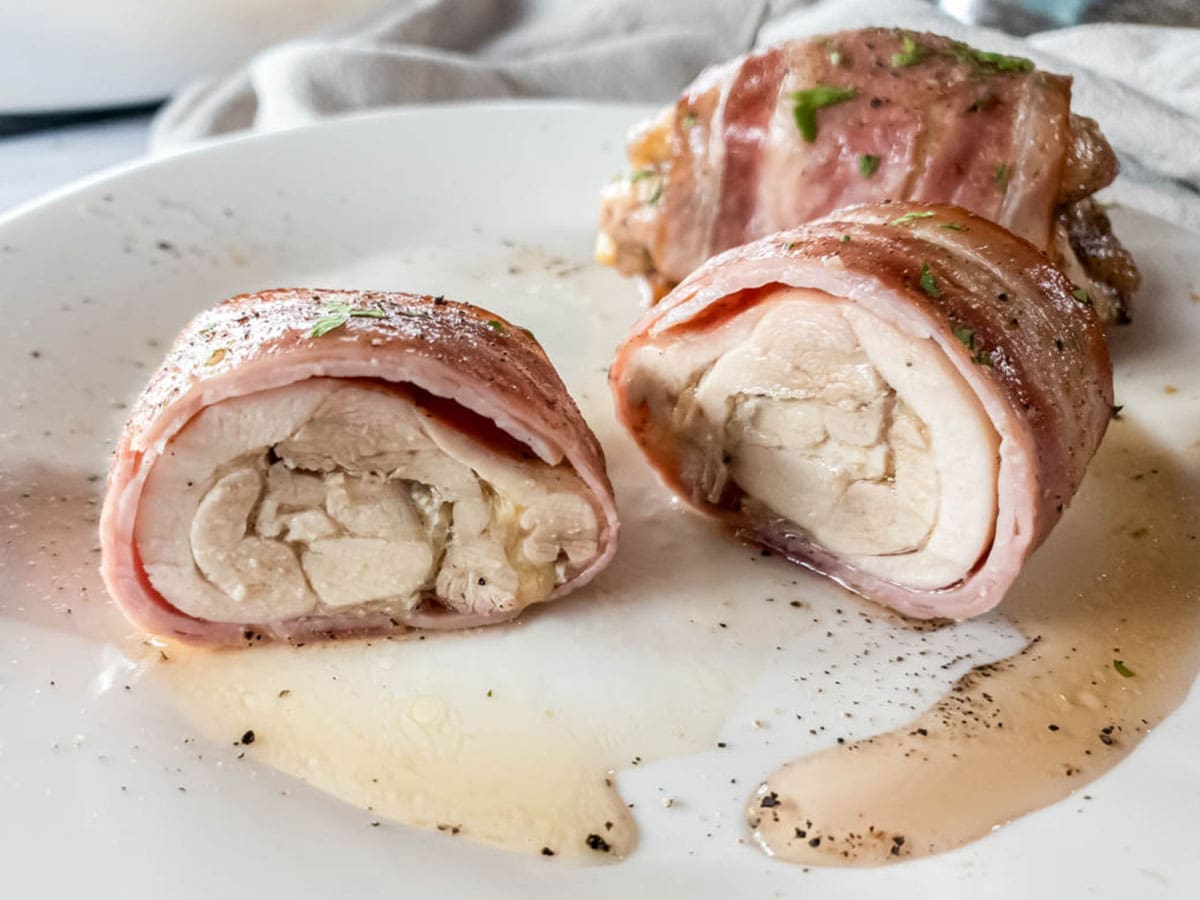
x: 90, y: 774
x: 36, y: 163
x: 68, y: 54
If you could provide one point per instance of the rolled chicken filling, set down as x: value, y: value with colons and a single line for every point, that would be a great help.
x: 340, y: 496
x: 864, y: 437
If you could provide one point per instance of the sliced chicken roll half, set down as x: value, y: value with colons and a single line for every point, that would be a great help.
x: 903, y: 397
x: 322, y: 463
x: 793, y: 132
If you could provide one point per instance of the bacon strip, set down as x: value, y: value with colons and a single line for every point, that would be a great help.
x: 259, y: 342
x: 1023, y: 344
x: 929, y: 119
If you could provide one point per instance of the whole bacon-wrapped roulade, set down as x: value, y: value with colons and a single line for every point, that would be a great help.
x: 793, y: 132
x: 903, y: 397
x: 319, y: 463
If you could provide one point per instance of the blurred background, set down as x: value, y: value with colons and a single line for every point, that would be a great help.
x: 80, y: 80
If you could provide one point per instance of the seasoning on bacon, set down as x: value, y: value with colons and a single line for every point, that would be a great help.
x: 791, y: 133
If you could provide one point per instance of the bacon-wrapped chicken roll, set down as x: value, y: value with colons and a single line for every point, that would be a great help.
x: 791, y: 133
x: 903, y: 397
x: 319, y: 463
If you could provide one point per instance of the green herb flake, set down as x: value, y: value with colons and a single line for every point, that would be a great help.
x: 689, y: 119
x: 657, y: 195
x: 789, y: 245
x: 1082, y: 296
x: 910, y: 54
x: 496, y: 325
x: 984, y: 59
x: 1001, y: 175
x: 216, y: 356
x: 954, y: 226
x: 845, y: 239
x: 930, y: 286
x: 326, y: 324
x: 910, y: 216
x: 984, y: 358
x: 867, y: 165
x: 965, y: 336
x: 806, y: 104
x: 635, y: 177
x: 1123, y: 670
x: 337, y: 313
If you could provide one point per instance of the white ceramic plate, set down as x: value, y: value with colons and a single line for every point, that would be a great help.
x: 108, y: 792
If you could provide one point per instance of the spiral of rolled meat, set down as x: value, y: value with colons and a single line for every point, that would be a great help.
x: 903, y: 397
x: 319, y: 463
x: 790, y: 133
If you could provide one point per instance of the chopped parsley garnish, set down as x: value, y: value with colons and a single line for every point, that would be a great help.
x: 1082, y: 296
x: 954, y: 226
x: 1001, y: 176
x: 496, y: 325
x: 911, y: 52
x: 845, y: 238
x: 657, y: 195
x: 930, y: 286
x: 806, y: 104
x: 216, y: 356
x: 789, y: 245
x: 966, y: 337
x: 867, y: 164
x: 909, y: 216
x: 637, y: 176
x: 337, y: 313
x: 985, y: 59
x: 1123, y: 670
x: 689, y: 119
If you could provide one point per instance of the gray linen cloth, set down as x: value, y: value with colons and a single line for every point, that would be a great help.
x: 1141, y: 82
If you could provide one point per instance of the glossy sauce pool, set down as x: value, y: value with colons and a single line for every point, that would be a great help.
x: 451, y: 733
x: 1113, y: 646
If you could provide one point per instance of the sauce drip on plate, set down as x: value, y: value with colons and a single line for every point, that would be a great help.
x: 1113, y: 647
